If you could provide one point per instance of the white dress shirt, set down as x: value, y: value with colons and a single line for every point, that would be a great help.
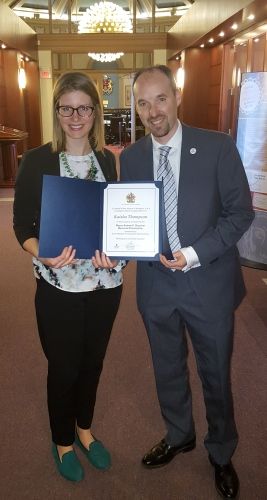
x: 174, y: 158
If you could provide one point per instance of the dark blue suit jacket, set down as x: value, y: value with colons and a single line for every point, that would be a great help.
x: 214, y: 210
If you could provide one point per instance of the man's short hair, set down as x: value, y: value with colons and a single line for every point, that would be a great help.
x: 158, y: 67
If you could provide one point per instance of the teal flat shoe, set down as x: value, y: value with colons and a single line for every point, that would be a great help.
x: 70, y: 467
x: 97, y: 454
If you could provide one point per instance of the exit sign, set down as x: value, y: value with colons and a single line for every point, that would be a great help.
x: 45, y: 73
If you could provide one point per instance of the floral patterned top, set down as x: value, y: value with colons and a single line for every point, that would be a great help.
x: 80, y: 276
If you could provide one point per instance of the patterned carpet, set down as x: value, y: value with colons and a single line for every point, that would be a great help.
x: 127, y: 416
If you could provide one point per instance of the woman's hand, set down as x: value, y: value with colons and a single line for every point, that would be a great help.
x: 64, y: 259
x: 100, y: 259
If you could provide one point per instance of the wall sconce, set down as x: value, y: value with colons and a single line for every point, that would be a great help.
x: 180, y: 78
x: 238, y: 77
x: 22, y: 78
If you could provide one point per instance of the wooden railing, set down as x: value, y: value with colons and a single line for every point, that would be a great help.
x: 8, y: 139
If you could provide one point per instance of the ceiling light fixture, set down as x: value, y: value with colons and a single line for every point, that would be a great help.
x: 251, y: 34
x: 105, y: 17
x: 251, y: 17
x: 106, y: 56
x: 180, y: 78
x: 234, y: 26
x: 22, y: 78
x: 221, y: 34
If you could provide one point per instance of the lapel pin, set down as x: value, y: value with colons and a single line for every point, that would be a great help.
x: 193, y: 151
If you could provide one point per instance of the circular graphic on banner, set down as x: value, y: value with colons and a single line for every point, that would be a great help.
x: 250, y: 96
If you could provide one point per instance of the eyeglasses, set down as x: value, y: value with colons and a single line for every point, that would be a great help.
x: 68, y: 111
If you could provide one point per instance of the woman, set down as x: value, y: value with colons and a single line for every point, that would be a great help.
x: 76, y: 300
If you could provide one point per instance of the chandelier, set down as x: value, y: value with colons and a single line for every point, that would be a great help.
x: 105, y: 57
x: 105, y: 17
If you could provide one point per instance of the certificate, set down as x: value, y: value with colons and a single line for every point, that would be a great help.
x: 122, y: 219
x: 131, y: 220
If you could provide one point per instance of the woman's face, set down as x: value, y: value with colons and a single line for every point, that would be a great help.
x: 76, y: 126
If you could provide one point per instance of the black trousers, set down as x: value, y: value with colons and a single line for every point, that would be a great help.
x: 74, y: 330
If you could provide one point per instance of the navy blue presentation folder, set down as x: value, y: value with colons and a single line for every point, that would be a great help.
x: 72, y: 214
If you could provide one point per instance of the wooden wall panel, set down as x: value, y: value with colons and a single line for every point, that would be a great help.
x: 21, y: 109
x: 226, y: 93
x: 258, y: 50
x: 195, y: 95
x: 201, y: 95
x: 215, y: 74
x: 215, y: 86
x: 214, y: 95
x: 241, y: 58
x: 2, y: 90
x: 17, y: 34
x: 15, y: 110
x: 212, y: 116
x: 15, y: 113
x: 265, y: 56
x: 32, y: 105
x: 216, y: 55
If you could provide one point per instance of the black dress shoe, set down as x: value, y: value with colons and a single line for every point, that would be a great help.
x: 163, y: 453
x: 226, y: 479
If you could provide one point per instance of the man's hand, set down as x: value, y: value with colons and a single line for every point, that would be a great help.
x: 103, y: 261
x: 178, y: 262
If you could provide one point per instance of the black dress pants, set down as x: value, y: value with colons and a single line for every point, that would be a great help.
x: 74, y: 330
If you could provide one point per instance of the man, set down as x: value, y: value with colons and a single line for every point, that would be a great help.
x: 201, y: 284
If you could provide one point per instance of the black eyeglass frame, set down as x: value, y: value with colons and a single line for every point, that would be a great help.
x: 92, y: 108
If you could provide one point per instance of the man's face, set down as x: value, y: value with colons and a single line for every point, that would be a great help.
x: 156, y: 104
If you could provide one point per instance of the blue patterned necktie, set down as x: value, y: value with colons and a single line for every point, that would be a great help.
x: 165, y: 173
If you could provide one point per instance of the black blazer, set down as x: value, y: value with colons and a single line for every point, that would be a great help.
x: 28, y: 189
x: 214, y: 210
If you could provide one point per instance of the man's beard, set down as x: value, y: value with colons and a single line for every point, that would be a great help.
x: 160, y: 130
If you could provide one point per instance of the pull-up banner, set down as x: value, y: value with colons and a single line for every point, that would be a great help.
x: 252, y: 146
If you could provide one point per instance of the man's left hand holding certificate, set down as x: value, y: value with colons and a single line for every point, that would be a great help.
x: 121, y: 219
